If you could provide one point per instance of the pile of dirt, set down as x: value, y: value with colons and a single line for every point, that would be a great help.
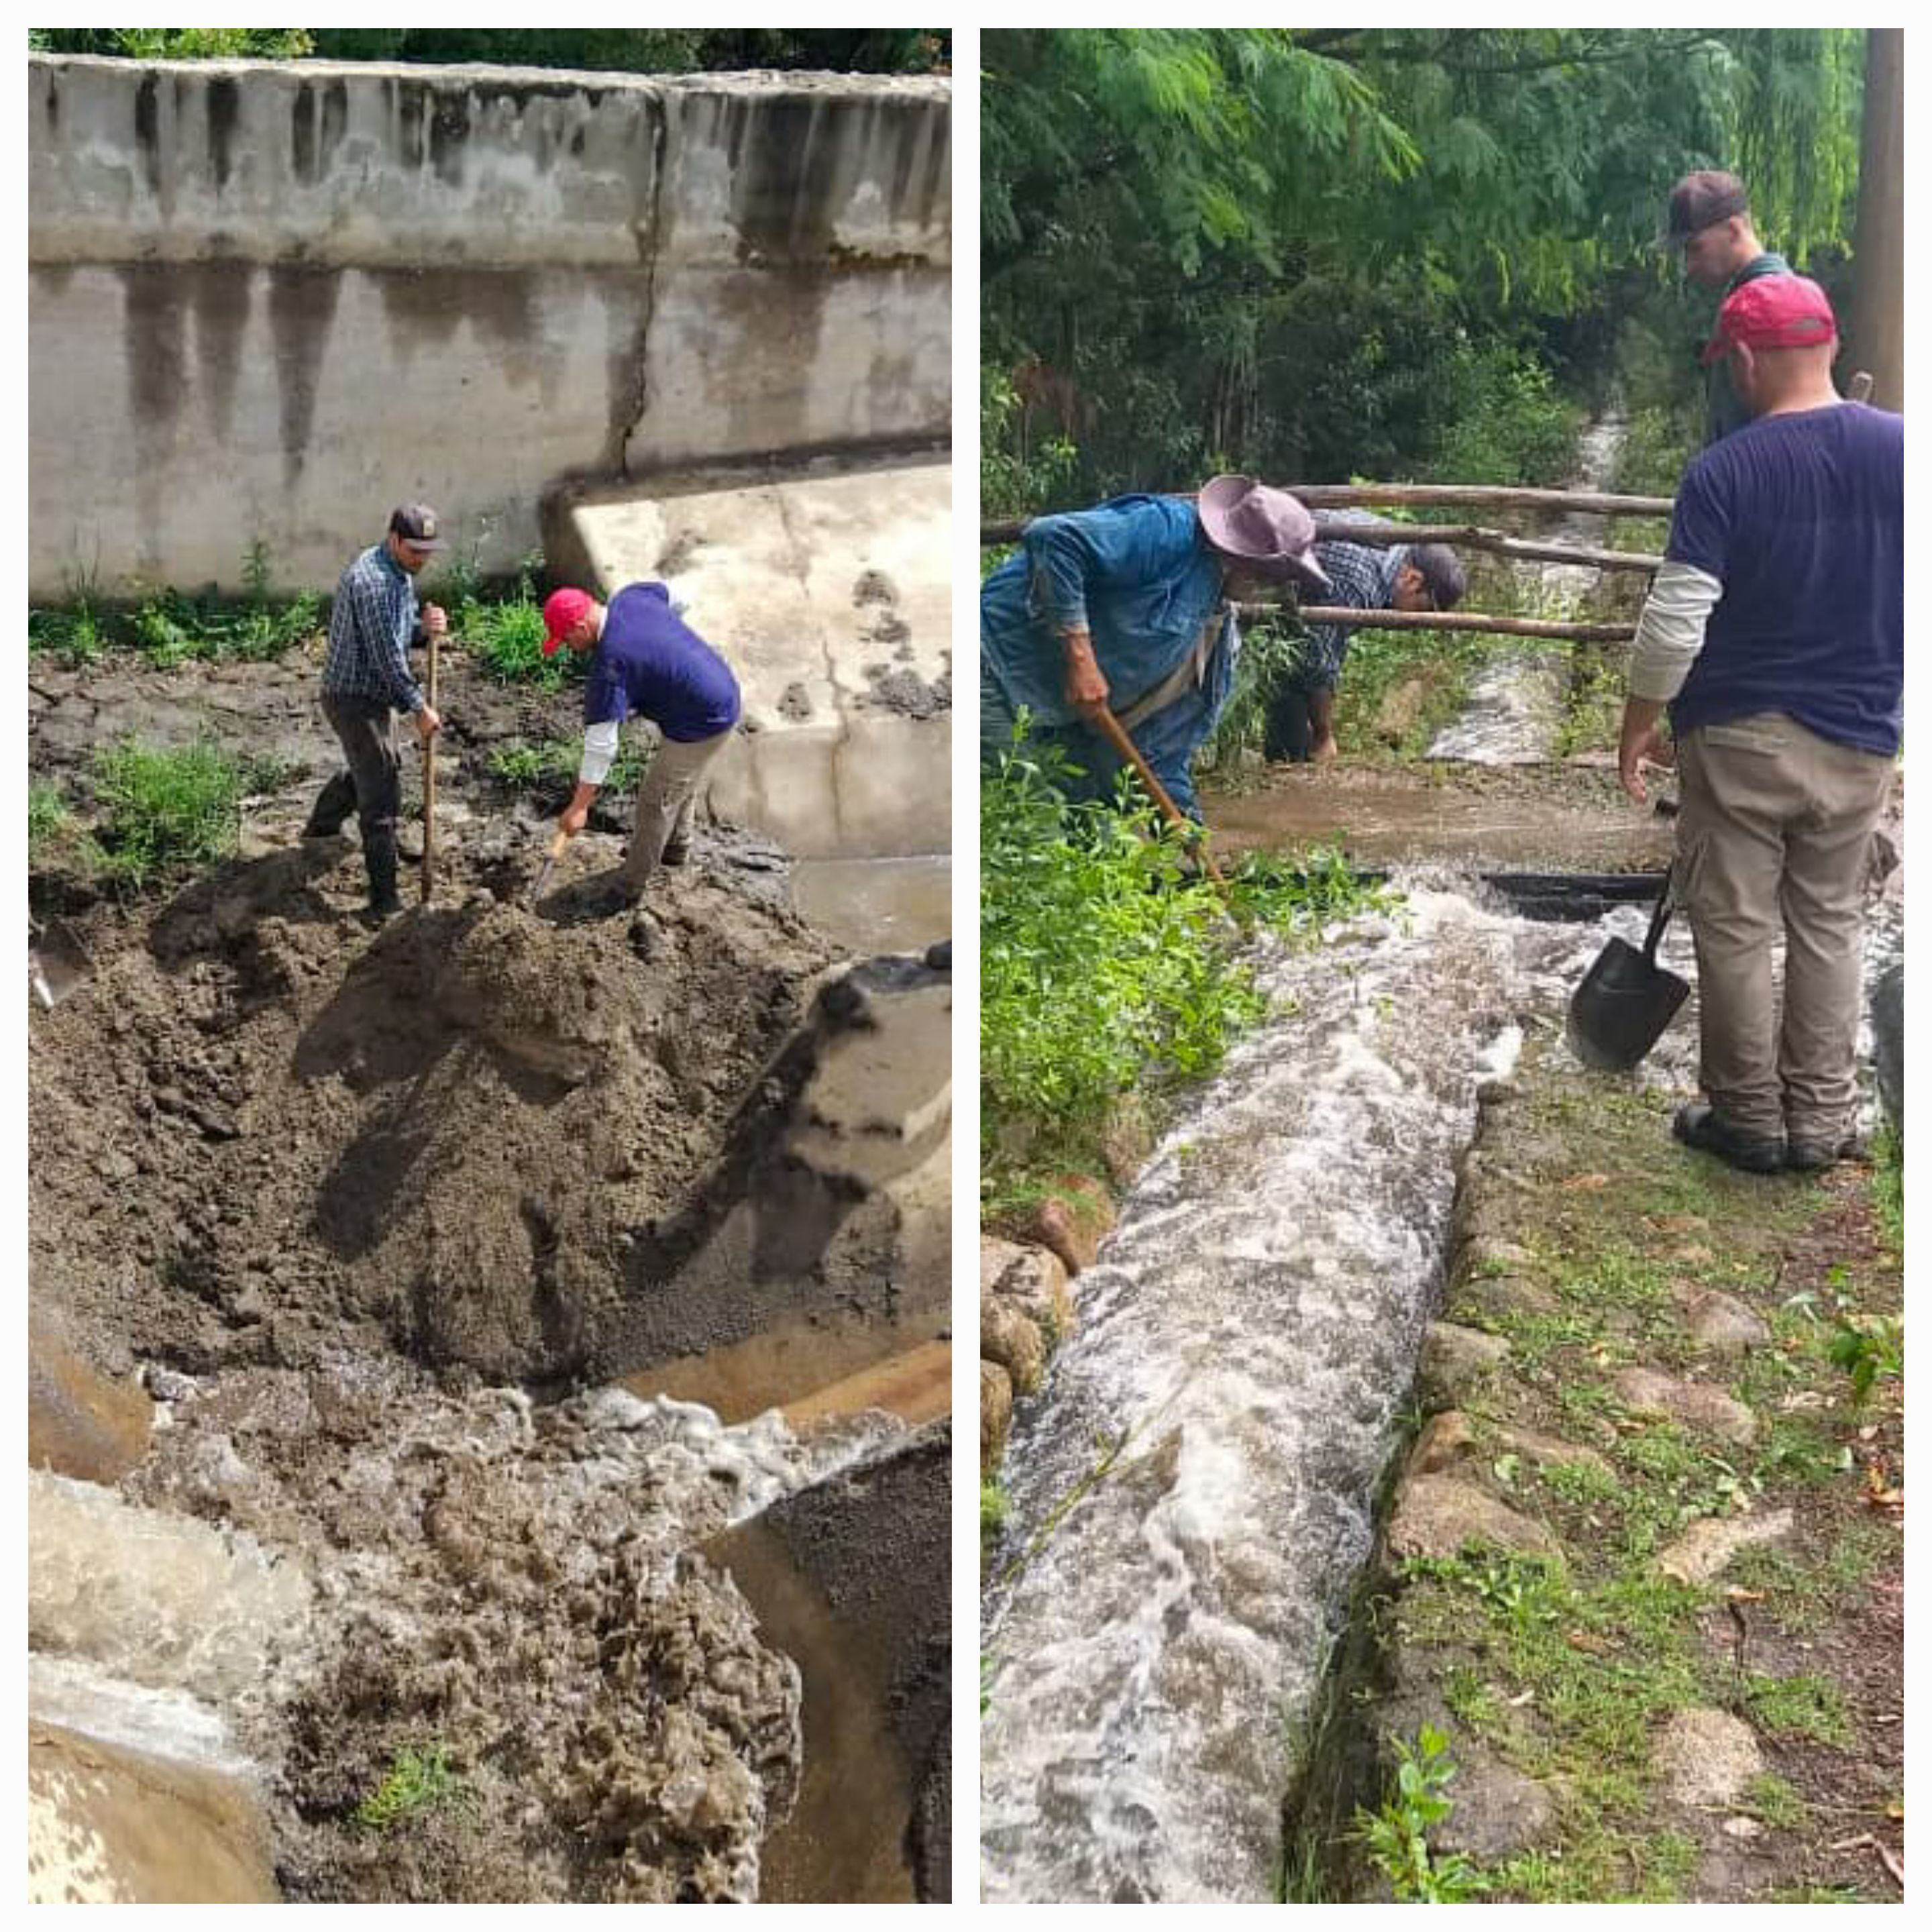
x: 260, y: 1134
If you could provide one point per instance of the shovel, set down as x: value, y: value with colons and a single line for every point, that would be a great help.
x: 1626, y: 999
x: 58, y: 964
x: 549, y: 865
x: 1110, y: 727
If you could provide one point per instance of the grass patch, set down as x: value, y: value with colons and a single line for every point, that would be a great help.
x: 549, y: 766
x: 1772, y: 1800
x: 992, y: 1514
x: 49, y: 821
x: 168, y: 812
x: 416, y: 1782
x: 1805, y: 1706
x: 507, y: 633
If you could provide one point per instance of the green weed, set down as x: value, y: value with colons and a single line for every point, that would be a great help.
x: 1867, y: 1348
x: 1397, y: 1837
x: 167, y: 812
x: 416, y: 1781
x: 508, y: 636
x: 992, y: 1513
x: 50, y: 821
x: 551, y: 764
x: 1772, y: 1800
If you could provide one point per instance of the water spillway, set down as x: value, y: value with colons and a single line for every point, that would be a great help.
x: 1194, y: 1493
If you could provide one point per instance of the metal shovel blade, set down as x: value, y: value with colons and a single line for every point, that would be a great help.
x: 549, y: 866
x: 58, y: 964
x: 1619, y: 1011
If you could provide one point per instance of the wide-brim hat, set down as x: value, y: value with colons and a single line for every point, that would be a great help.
x: 1266, y: 531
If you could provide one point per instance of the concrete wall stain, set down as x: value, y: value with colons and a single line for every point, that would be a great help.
x: 449, y: 136
x: 301, y: 311
x: 221, y: 294
x: 50, y: 104
x: 785, y: 177
x: 148, y: 130
x: 224, y: 111
x: 154, y: 342
x: 301, y: 130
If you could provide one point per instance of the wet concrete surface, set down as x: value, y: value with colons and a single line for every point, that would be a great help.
x: 851, y: 1579
x: 877, y: 905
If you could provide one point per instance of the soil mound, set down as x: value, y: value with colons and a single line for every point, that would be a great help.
x: 259, y: 1131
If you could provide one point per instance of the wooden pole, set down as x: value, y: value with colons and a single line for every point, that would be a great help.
x: 429, y: 784
x: 1444, y: 620
x: 1366, y: 495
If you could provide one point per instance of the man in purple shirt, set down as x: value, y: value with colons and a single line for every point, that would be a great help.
x: 1775, y: 632
x: 645, y: 661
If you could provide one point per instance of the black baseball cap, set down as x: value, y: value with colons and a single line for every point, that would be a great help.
x: 1699, y: 201
x: 417, y: 525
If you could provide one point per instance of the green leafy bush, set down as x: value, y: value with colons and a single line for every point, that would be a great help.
x: 551, y: 765
x: 166, y: 811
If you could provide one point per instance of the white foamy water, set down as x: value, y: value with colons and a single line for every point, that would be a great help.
x: 1514, y: 712
x: 1245, y: 1341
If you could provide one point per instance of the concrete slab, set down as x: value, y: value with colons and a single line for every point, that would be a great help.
x: 827, y: 587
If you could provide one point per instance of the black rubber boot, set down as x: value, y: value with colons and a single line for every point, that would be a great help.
x: 330, y: 813
x: 379, y: 854
x: 1703, y: 1126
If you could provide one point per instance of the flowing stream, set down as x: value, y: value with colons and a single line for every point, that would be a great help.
x: 1514, y: 712
x: 1196, y: 1485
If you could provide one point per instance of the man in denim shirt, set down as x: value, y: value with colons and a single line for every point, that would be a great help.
x: 372, y: 623
x: 1128, y: 605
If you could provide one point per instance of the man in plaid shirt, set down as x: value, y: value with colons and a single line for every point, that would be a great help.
x: 372, y: 623
x: 1406, y: 576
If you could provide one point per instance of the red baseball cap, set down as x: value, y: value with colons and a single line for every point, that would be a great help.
x: 1774, y: 312
x: 562, y: 609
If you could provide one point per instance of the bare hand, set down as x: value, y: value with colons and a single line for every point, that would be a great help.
x: 1086, y: 685
x: 428, y: 724
x: 435, y: 621
x: 1638, y: 749
x: 573, y: 819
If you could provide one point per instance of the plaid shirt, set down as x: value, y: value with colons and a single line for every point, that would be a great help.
x: 371, y: 624
x: 1363, y: 580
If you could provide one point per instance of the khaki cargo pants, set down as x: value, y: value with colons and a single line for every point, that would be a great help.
x: 1773, y: 837
x: 665, y: 803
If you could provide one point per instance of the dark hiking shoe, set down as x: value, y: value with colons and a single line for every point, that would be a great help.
x: 1703, y: 1127
x: 677, y: 852
x: 939, y: 955
x: 314, y: 834
x: 1811, y: 1154
x: 380, y: 911
x: 607, y: 900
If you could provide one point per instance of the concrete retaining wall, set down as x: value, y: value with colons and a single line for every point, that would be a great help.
x: 269, y: 300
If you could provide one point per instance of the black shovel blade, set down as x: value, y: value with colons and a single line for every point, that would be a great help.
x: 1622, y: 1008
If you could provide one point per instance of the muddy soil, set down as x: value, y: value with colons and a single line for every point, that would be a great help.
x: 325, y: 1186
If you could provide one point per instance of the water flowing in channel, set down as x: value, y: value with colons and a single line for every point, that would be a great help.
x: 1196, y: 1489
x: 1514, y: 712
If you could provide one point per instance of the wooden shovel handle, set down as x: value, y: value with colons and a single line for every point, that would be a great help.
x: 1102, y: 716
x: 429, y: 784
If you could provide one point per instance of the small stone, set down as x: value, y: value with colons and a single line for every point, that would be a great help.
x: 1446, y: 1440
x: 1742, y: 1828
x: 1497, y: 1813
x: 1693, y: 1404
x: 1007, y: 1337
x: 996, y: 1411
x: 1704, y: 1550
x: 1032, y: 1280
x: 1708, y: 1758
x: 1723, y: 1325
x: 1435, y: 1515
x: 1551, y: 1452
x: 1457, y: 1362
x: 1072, y: 1222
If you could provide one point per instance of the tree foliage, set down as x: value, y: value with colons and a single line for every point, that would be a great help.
x: 1309, y: 252
x: 634, y: 50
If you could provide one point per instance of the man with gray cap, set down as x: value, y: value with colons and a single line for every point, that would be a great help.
x: 1129, y: 605
x: 1709, y: 220
x: 367, y: 679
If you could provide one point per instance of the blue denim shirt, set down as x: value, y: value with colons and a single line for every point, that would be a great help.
x: 1136, y: 571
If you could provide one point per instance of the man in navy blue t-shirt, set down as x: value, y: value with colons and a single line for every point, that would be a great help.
x: 646, y: 660
x: 1775, y: 632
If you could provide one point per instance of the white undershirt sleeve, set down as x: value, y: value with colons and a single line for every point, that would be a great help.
x: 1670, y: 632
x: 600, y: 748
